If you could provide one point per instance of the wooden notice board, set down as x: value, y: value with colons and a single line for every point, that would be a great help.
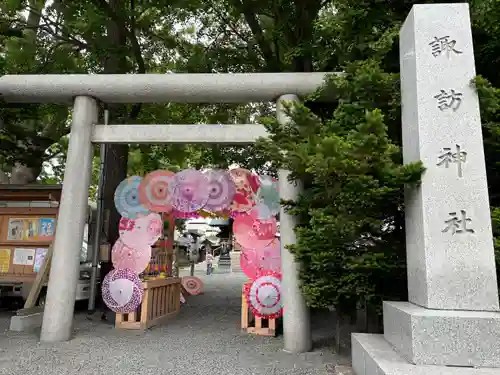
x: 25, y: 236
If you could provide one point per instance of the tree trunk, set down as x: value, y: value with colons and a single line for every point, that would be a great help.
x: 115, y: 167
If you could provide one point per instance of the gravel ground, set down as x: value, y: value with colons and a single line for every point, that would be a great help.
x: 205, y: 338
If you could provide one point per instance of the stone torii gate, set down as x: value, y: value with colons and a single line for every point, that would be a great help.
x: 85, y: 91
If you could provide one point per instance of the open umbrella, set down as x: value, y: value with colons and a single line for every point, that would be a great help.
x: 122, y: 291
x: 143, y: 230
x: 153, y: 191
x: 127, y: 198
x: 192, y: 284
x: 263, y: 296
x: 221, y: 189
x: 135, y: 260
x: 188, y: 190
x: 252, y: 232
x: 247, y: 185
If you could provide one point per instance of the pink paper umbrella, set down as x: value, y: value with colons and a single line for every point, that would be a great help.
x: 144, y: 230
x: 192, y: 284
x: 188, y: 190
x: 269, y: 257
x: 123, y: 256
x: 221, y: 190
x: 249, y: 264
x: 122, y: 291
x: 252, y: 232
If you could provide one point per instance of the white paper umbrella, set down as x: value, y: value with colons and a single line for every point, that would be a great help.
x: 264, y: 296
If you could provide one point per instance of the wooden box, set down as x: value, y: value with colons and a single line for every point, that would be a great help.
x: 161, y: 302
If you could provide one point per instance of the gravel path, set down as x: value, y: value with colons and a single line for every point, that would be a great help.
x: 205, y: 338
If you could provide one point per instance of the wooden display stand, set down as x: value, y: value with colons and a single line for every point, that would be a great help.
x: 161, y: 302
x: 252, y: 324
x: 26, y: 230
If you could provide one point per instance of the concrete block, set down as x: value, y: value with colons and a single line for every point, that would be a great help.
x: 373, y: 355
x: 443, y: 337
x: 26, y: 323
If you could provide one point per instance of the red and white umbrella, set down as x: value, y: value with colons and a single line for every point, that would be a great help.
x: 192, y: 284
x: 122, y: 291
x: 264, y: 296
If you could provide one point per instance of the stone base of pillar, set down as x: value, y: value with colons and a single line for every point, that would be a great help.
x: 420, y: 341
x: 443, y: 337
x: 373, y: 355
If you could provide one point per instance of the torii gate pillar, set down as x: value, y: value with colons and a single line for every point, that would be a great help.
x: 296, y: 319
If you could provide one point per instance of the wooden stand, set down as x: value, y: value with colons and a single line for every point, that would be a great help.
x: 161, y: 301
x: 252, y: 324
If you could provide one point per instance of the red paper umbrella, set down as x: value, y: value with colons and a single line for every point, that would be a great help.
x: 249, y: 264
x: 221, y: 189
x: 153, y: 191
x: 252, y: 232
x: 189, y: 190
x: 247, y: 185
x: 127, y: 198
x: 145, y: 230
x: 264, y: 296
x: 136, y: 260
x: 192, y: 284
x: 122, y: 291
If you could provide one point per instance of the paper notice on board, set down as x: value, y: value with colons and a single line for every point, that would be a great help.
x: 15, y: 230
x: 4, y: 260
x: 24, y: 257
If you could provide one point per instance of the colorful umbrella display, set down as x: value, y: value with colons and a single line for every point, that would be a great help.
x: 268, y: 195
x: 127, y: 198
x: 252, y: 232
x: 247, y: 185
x: 122, y: 291
x: 221, y: 190
x: 135, y: 260
x: 189, y: 190
x: 263, y: 296
x: 192, y: 284
x: 153, y: 191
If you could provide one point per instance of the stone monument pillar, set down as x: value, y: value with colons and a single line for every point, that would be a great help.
x: 452, y: 318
